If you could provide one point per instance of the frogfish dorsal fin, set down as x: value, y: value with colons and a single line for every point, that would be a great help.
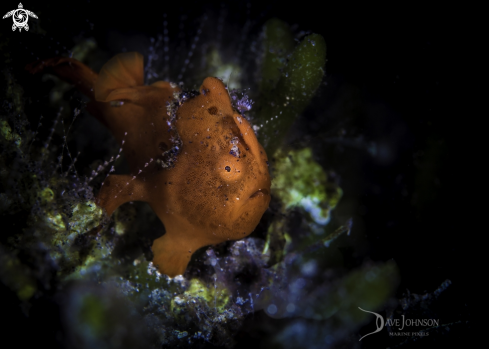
x: 120, y: 73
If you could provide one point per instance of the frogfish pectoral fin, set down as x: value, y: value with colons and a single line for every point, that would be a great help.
x: 172, y: 252
x: 121, y: 72
x: 119, y: 189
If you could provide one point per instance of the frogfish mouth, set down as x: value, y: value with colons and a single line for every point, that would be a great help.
x: 192, y: 157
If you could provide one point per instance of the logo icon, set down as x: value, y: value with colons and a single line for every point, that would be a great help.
x: 379, y: 317
x: 20, y: 17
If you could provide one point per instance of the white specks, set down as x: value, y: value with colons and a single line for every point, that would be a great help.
x: 182, y: 334
x: 272, y: 309
x: 234, y: 149
x: 179, y: 279
x: 237, y: 198
x: 311, y: 205
x: 241, y: 301
x: 309, y: 268
x: 178, y: 301
x: 297, y: 285
x: 371, y: 275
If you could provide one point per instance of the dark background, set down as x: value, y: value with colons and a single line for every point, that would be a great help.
x: 390, y: 80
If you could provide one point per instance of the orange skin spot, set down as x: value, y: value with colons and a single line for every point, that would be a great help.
x: 210, y: 195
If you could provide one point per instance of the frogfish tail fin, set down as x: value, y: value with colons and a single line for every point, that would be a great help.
x: 123, y: 71
x: 69, y: 70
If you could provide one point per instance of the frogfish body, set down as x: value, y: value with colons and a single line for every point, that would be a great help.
x: 195, y: 160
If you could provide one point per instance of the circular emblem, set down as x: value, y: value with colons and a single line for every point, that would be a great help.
x: 20, y: 17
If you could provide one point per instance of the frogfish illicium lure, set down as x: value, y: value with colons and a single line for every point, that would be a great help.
x: 194, y: 159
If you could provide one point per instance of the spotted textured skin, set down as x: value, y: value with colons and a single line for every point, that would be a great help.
x: 221, y: 196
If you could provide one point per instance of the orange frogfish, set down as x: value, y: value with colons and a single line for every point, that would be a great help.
x: 193, y: 158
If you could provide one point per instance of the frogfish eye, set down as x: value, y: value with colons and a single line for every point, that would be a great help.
x: 230, y: 170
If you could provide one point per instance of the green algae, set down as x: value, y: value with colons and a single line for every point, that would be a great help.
x: 15, y: 93
x: 6, y: 132
x: 278, y: 43
x: 289, y: 92
x: 85, y: 217
x: 368, y: 287
x: 201, y: 298
x: 16, y: 275
x: 276, y: 240
x: 217, y: 295
x: 83, y: 48
x: 93, y: 314
x: 229, y: 72
x: 301, y: 181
